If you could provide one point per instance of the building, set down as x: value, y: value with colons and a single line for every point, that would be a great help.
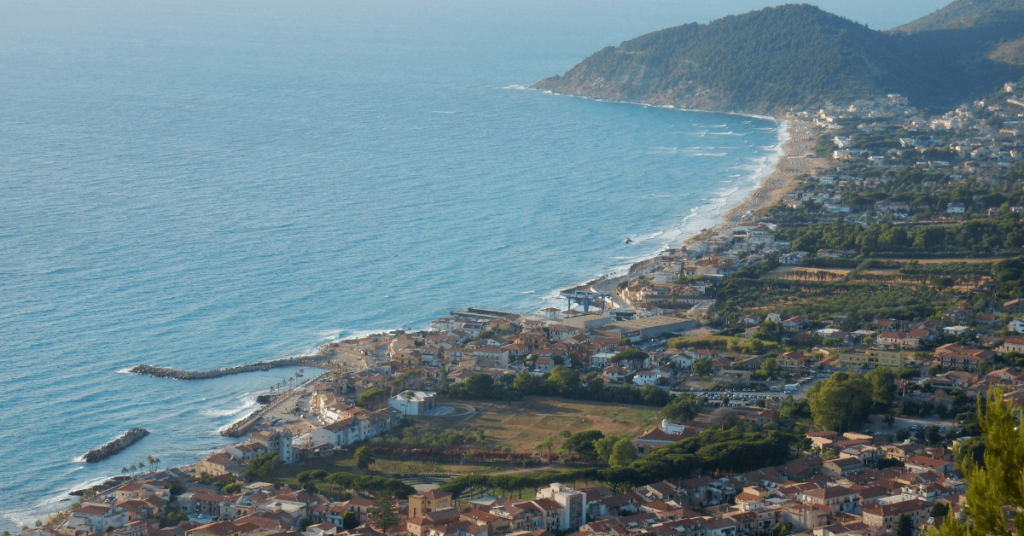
x: 96, y: 518
x: 844, y: 466
x: 428, y: 502
x: 1014, y: 307
x: 275, y: 441
x: 871, y: 358
x: 650, y: 327
x: 574, y: 505
x: 588, y: 321
x: 835, y: 498
x: 1011, y: 345
x: 666, y: 434
x: 886, y: 516
x: 414, y: 402
x: 955, y: 356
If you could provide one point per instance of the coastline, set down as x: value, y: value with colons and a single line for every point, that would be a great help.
x: 795, y: 158
x: 780, y: 180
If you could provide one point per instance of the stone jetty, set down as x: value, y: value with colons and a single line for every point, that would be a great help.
x: 126, y: 440
x: 175, y: 374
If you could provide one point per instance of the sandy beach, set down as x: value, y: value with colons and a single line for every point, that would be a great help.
x: 797, y: 159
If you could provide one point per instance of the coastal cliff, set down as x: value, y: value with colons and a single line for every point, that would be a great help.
x: 794, y: 56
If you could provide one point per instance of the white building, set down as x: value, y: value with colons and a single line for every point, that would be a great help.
x: 646, y: 377
x: 96, y: 518
x: 414, y: 402
x: 955, y: 208
x: 574, y: 505
x: 1017, y: 326
x: 281, y: 442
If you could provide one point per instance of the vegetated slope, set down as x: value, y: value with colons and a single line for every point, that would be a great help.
x: 790, y: 56
x: 967, y: 14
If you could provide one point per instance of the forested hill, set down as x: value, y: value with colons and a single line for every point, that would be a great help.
x: 792, y: 56
x: 968, y: 13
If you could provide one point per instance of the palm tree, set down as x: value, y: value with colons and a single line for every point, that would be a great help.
x: 157, y: 460
x: 141, y: 466
x: 124, y: 470
x: 132, y: 469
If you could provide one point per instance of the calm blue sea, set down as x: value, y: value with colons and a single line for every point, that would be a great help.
x: 202, y: 184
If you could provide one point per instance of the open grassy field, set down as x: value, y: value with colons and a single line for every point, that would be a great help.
x: 522, y: 425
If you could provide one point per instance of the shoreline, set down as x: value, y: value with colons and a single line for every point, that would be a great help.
x: 779, y: 181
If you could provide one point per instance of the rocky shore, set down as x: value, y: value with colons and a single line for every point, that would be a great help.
x: 110, y: 449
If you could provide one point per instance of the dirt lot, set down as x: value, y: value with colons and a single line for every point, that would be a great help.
x: 524, y: 424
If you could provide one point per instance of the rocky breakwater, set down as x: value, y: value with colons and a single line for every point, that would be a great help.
x: 175, y: 374
x: 126, y: 440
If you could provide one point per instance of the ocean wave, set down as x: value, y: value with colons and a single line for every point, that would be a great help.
x: 518, y: 87
x: 444, y: 112
x: 248, y: 401
x: 716, y: 155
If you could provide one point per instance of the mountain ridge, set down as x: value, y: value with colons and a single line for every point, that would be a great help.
x: 793, y: 56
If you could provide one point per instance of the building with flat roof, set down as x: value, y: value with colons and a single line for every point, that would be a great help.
x: 414, y: 402
x: 871, y: 358
x: 650, y: 327
x: 588, y: 321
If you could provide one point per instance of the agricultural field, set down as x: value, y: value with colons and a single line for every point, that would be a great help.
x: 523, y: 425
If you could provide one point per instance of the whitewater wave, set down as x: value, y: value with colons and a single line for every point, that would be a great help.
x: 248, y: 402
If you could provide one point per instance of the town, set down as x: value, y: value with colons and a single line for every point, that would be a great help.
x: 812, y: 368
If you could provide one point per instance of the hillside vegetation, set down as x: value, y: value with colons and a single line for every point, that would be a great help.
x: 795, y: 56
x: 967, y: 14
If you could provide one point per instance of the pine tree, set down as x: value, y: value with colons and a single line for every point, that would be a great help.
x: 384, y: 513
x: 997, y: 484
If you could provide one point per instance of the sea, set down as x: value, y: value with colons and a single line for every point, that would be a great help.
x: 200, y: 184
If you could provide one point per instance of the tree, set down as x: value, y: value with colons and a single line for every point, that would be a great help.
x: 364, y: 458
x: 885, y: 463
x: 349, y: 521
x: 605, y: 446
x: 371, y: 398
x: 384, y: 513
x: 841, y: 402
x: 940, y: 509
x: 684, y: 407
x: 632, y: 355
x: 233, y: 487
x: 997, y: 486
x: 905, y: 526
x: 883, y: 385
x: 305, y: 523
x: 702, y: 366
x: 622, y: 453
x: 771, y: 368
x: 902, y: 435
x: 479, y: 385
x: 582, y: 443
x: 972, y: 448
x: 262, y: 466
x: 546, y: 444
